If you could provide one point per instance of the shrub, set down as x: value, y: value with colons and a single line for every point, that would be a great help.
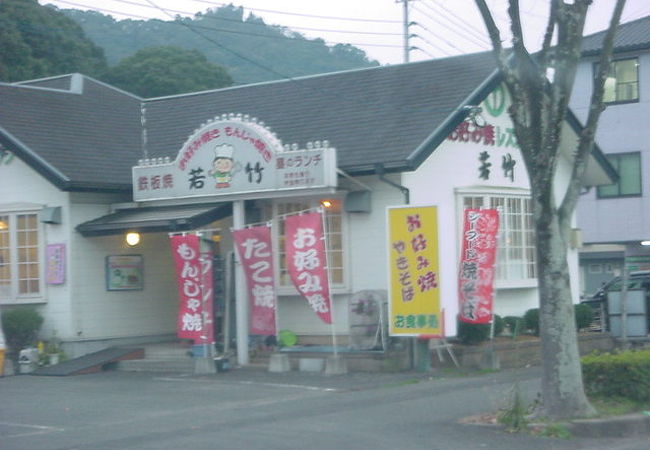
x: 514, y: 324
x: 625, y: 374
x: 531, y: 320
x: 475, y: 333
x: 584, y: 315
x: 20, y: 327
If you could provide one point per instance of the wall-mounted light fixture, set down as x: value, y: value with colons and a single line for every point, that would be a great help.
x: 132, y: 238
x: 326, y: 203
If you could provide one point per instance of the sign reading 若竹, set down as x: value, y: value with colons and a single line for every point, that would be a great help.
x: 414, y: 271
x: 234, y: 156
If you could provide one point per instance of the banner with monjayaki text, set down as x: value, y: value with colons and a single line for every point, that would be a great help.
x: 477, y: 265
x: 306, y: 261
x: 188, y: 277
x: 255, y: 253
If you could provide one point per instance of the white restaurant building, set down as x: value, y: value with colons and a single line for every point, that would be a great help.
x: 394, y: 135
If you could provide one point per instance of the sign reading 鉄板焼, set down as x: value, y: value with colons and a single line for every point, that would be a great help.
x: 233, y: 155
x: 414, y: 271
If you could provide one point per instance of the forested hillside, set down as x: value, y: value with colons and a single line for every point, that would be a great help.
x: 249, y: 49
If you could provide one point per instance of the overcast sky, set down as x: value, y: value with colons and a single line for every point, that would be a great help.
x: 443, y: 27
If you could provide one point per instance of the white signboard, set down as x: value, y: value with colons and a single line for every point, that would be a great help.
x: 231, y: 156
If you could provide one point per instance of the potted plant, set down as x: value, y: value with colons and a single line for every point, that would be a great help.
x: 53, y: 349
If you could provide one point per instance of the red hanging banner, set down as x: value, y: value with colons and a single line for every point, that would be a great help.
x: 476, y: 274
x: 306, y: 261
x: 254, y: 248
x: 188, y: 277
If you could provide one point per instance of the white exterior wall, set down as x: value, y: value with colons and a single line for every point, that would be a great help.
x: 23, y: 189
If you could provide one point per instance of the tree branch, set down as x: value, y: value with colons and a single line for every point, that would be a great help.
x: 587, y: 136
x: 545, y: 52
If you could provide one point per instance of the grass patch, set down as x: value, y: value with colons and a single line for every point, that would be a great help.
x: 617, y: 406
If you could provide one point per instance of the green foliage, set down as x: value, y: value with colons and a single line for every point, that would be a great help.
x: 624, y: 374
x: 584, y: 315
x: 20, y: 326
x: 224, y: 35
x: 475, y: 333
x: 531, y: 320
x: 39, y: 41
x: 159, y: 71
x: 515, y: 325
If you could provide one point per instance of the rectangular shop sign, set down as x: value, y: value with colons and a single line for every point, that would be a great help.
x: 477, y: 265
x: 414, y: 302
x: 55, y: 261
x: 255, y: 253
x: 124, y: 273
x: 307, y: 261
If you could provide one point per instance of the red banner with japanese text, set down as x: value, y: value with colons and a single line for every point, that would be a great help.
x: 477, y: 265
x: 185, y: 249
x: 254, y: 248
x: 306, y: 261
x: 207, y: 293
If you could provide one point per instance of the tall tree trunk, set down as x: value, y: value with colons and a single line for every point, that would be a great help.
x: 562, y: 388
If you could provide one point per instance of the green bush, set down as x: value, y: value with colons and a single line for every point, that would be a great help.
x: 624, y: 374
x: 584, y: 315
x: 20, y: 326
x: 531, y: 320
x: 475, y: 333
x: 514, y: 324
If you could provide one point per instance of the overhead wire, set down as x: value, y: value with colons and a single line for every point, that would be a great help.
x: 270, y: 36
x: 452, y: 17
x: 451, y: 44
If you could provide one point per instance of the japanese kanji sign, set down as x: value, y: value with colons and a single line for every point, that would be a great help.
x: 189, y: 277
x: 476, y: 274
x: 233, y: 156
x: 413, y: 267
x: 306, y: 261
x: 55, y: 263
x: 207, y: 293
x: 254, y: 248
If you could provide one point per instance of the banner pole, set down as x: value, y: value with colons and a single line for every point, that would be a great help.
x: 329, y: 279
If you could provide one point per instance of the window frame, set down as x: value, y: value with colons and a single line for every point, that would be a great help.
x: 278, y: 242
x: 613, y: 67
x: 15, y: 297
x: 528, y: 263
x: 600, y: 196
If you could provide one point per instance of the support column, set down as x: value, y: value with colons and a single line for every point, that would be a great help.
x: 241, y: 298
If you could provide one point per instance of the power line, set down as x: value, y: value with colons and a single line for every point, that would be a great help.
x: 452, y: 17
x: 211, y: 17
x: 269, y: 36
x: 447, y: 27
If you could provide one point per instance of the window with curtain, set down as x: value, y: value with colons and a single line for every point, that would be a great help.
x: 622, y: 82
x: 20, y: 249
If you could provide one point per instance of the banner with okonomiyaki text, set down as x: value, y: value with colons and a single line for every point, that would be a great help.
x: 306, y: 261
x: 185, y: 249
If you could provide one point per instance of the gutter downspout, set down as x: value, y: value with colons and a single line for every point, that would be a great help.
x: 381, y: 171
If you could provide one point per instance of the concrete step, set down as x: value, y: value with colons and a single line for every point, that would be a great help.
x: 157, y: 365
x: 167, y: 350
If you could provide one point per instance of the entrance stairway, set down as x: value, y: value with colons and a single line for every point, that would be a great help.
x: 161, y: 357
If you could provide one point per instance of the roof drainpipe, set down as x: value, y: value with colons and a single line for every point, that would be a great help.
x: 381, y: 171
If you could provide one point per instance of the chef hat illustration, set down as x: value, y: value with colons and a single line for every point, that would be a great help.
x: 223, y: 151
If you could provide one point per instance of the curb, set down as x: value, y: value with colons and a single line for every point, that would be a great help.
x: 637, y: 424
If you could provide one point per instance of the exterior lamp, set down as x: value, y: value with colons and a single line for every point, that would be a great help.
x: 645, y: 243
x: 132, y: 239
x: 326, y: 203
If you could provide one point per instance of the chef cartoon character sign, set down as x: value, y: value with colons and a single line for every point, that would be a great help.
x: 223, y: 165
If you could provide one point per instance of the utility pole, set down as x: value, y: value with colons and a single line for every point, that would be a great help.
x: 405, y: 9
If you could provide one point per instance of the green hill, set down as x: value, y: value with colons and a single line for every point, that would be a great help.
x: 251, y: 50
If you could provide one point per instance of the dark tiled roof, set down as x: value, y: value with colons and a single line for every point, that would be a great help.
x: 633, y: 35
x: 376, y: 115
x: 78, y: 141
x: 393, y: 115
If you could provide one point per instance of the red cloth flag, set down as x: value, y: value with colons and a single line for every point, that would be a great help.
x: 476, y: 274
x: 188, y: 276
x: 255, y: 253
x: 306, y: 261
